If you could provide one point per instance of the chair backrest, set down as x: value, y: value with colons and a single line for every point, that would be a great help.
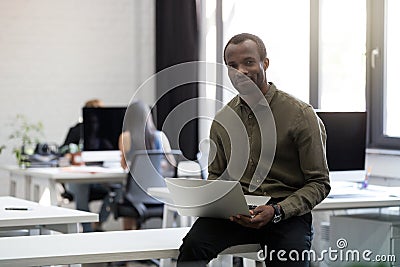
x: 148, y: 169
x: 202, y: 157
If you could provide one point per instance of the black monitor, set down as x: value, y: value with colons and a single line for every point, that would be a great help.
x: 102, y: 127
x: 346, y: 140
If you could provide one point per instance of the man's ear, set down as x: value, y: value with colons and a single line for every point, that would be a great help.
x: 266, y: 64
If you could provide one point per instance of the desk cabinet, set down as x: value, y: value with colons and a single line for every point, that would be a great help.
x: 378, y: 233
x: 20, y: 185
x: 40, y: 184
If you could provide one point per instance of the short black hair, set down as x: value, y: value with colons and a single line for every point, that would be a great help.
x: 240, y: 38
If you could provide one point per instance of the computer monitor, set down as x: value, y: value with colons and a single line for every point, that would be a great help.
x: 346, y: 144
x: 101, y: 130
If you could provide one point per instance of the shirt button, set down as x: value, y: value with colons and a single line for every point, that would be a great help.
x: 250, y: 116
x: 265, y: 193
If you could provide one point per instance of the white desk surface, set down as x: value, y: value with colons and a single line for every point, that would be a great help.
x: 91, y: 247
x: 39, y: 215
x: 357, y: 203
x: 343, y: 196
x: 39, y: 184
x: 348, y: 195
x: 76, y: 174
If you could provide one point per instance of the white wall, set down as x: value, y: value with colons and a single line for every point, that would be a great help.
x: 55, y: 55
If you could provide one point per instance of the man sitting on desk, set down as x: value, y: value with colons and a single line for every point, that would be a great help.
x: 295, y: 176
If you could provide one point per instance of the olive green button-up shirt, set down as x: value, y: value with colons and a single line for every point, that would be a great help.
x: 298, y: 171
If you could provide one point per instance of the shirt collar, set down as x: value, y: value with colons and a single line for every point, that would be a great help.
x: 268, y: 96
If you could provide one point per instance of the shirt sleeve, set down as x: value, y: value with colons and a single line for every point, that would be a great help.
x: 310, y: 138
x: 216, y: 159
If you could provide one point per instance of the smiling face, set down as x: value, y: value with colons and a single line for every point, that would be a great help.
x: 246, y: 69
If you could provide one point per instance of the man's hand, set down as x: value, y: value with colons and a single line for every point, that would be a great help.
x: 260, y: 216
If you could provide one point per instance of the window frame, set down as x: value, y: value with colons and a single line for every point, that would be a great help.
x: 376, y: 84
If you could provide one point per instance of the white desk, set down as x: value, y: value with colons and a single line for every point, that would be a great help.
x: 350, y: 197
x: 358, y: 202
x: 41, y: 217
x: 91, y: 247
x: 344, y: 197
x: 97, y: 247
x: 39, y: 184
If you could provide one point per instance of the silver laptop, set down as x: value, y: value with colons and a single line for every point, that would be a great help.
x: 209, y: 198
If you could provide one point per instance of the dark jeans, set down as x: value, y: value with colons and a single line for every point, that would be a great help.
x: 208, y: 237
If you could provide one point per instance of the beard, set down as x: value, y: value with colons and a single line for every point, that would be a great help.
x: 244, y: 85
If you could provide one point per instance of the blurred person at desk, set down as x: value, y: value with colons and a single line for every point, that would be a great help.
x: 75, y: 133
x: 139, y: 133
x: 83, y: 193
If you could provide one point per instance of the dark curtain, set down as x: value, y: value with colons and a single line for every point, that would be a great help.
x: 177, y: 42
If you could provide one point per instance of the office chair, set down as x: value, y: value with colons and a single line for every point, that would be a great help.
x: 94, y: 193
x: 148, y: 169
x: 203, y: 155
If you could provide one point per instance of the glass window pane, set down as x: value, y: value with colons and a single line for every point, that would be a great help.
x: 392, y: 93
x: 284, y: 26
x: 342, y: 58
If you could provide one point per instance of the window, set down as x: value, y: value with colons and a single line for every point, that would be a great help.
x: 342, y: 61
x: 384, y: 81
x: 392, y: 92
x: 284, y: 26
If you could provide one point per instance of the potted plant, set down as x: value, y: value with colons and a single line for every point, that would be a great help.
x: 27, y: 135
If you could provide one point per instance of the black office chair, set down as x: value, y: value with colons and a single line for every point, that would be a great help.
x: 95, y: 193
x: 148, y: 169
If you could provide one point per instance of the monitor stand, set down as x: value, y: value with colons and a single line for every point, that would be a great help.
x: 347, y: 176
x: 101, y: 157
x: 112, y: 164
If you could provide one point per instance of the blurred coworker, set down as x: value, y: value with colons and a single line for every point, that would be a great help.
x: 82, y: 193
x: 139, y: 133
